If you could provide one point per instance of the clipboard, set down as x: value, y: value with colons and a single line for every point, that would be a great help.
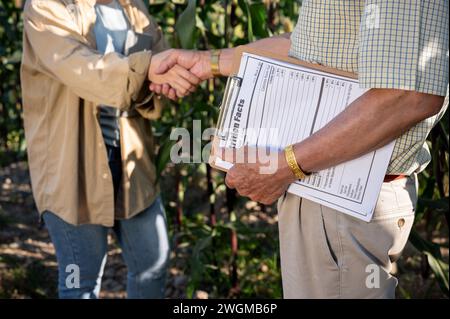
x: 233, y: 86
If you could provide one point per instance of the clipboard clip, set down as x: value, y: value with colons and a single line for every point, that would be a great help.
x: 232, y: 88
x: 233, y: 82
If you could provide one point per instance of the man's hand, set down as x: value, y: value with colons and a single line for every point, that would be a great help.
x: 198, y: 62
x: 177, y: 81
x: 250, y: 179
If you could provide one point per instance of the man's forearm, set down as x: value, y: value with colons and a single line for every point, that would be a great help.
x: 279, y: 44
x: 376, y: 118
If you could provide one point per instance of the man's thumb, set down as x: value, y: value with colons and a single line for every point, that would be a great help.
x: 166, y: 64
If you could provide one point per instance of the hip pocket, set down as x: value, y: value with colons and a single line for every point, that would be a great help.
x: 397, y: 199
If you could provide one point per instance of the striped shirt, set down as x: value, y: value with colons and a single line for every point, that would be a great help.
x: 400, y: 44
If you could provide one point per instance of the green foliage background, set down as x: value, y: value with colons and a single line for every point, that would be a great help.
x: 225, y: 254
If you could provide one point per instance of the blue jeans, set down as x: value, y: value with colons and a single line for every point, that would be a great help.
x: 145, y: 249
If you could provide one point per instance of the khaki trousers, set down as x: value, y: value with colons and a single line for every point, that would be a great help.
x: 328, y: 254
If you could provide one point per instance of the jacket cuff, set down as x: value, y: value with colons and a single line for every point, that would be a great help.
x: 139, y: 64
x: 152, y: 110
x: 142, y: 99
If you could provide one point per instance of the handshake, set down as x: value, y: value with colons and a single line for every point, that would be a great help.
x: 175, y: 73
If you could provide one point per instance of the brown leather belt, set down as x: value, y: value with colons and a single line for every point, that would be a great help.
x: 390, y: 178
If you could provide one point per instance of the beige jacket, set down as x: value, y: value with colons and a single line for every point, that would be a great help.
x: 64, y: 79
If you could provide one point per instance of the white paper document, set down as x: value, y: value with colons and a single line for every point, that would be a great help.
x: 278, y: 103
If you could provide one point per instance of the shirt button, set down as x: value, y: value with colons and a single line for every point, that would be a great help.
x: 105, y: 175
x: 100, y: 144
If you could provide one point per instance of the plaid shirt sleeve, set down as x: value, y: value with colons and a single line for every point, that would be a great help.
x: 404, y: 45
